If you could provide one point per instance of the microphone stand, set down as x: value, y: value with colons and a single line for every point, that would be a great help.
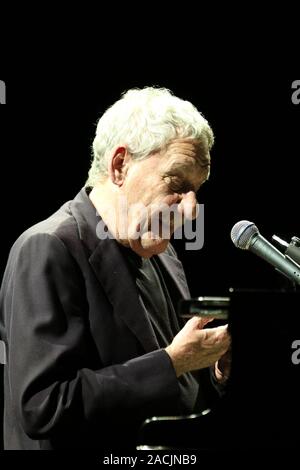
x: 291, y: 250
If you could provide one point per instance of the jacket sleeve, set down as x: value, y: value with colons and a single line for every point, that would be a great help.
x: 52, y: 379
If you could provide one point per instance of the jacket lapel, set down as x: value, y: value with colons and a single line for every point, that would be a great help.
x: 175, y: 270
x: 111, y: 270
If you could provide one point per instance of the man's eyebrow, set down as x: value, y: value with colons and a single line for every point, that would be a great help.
x: 186, y: 183
x: 175, y: 170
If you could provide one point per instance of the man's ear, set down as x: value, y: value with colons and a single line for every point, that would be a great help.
x: 118, y: 165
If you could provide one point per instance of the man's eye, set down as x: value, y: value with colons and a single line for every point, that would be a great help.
x: 177, y: 185
x: 179, y: 189
x: 174, y: 186
x: 174, y: 183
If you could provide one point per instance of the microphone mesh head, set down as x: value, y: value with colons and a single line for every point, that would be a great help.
x: 242, y: 233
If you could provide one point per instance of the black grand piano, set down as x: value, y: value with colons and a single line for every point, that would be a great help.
x: 260, y: 405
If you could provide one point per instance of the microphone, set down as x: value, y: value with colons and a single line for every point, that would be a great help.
x: 245, y: 235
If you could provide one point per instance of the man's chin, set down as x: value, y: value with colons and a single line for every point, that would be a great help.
x: 149, y: 245
x: 154, y: 245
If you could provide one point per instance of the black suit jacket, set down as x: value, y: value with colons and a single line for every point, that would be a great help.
x: 84, y: 368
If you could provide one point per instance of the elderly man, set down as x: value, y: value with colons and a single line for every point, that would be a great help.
x: 88, y: 301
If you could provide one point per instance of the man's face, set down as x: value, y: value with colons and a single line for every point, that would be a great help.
x: 166, y: 179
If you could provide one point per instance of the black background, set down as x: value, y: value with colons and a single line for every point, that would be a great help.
x: 48, y: 124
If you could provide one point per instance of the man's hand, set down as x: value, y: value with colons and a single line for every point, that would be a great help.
x: 223, y: 367
x: 196, y: 348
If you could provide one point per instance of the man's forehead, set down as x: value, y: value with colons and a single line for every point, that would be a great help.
x: 187, y: 152
x: 181, y: 163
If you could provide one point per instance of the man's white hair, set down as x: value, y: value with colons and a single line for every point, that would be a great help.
x: 146, y: 121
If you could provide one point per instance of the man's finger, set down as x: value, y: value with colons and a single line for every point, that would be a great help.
x: 204, y: 321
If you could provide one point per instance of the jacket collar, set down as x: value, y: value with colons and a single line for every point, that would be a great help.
x: 110, y: 267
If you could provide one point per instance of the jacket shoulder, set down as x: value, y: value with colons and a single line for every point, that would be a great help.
x: 57, y: 231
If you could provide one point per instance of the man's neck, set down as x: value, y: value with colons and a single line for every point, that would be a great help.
x: 106, y: 199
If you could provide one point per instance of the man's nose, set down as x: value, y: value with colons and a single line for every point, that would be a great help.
x: 188, y: 205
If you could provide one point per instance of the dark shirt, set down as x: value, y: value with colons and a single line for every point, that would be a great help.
x: 160, y: 302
